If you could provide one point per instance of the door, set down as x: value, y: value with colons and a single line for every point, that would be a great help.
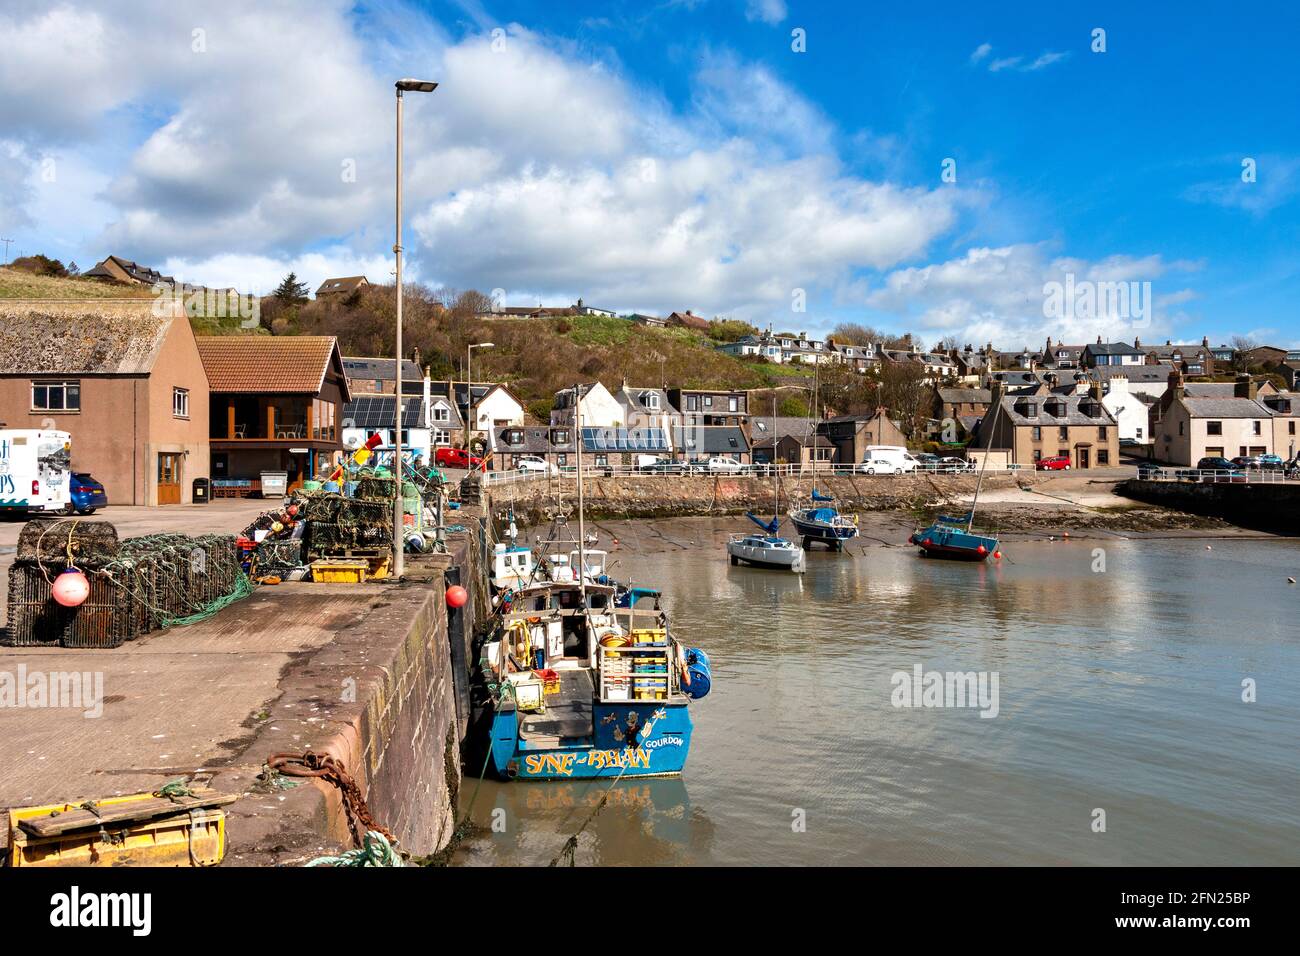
x: 1083, y: 458
x: 169, y: 477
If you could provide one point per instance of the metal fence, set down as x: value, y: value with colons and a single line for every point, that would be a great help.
x: 760, y: 470
x: 1214, y: 476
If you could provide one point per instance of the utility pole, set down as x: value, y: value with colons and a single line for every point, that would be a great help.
x: 8, y: 243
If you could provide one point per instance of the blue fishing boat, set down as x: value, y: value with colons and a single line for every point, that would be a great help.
x: 581, y: 687
x: 946, y: 538
x: 822, y: 522
x: 583, y: 679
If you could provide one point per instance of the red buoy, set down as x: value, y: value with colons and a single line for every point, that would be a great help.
x: 457, y: 596
x: 982, y: 550
x: 998, y: 555
x: 927, y: 542
x: 71, y: 588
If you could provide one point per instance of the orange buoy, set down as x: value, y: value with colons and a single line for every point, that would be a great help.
x: 457, y: 596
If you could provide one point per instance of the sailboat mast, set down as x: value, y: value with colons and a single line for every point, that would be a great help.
x: 582, y: 526
x: 978, y: 483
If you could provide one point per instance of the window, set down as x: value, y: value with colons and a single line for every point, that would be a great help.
x: 1063, y: 453
x: 708, y: 401
x: 56, y: 396
x: 1214, y: 428
x: 1139, y: 432
x: 1037, y: 434
x: 652, y: 400
x: 1063, y: 433
x: 1103, y: 456
x: 602, y: 461
x: 733, y: 404
x: 441, y: 436
x: 1290, y: 428
x: 560, y: 437
x: 1211, y: 452
x: 1101, y: 434
x: 562, y: 460
x: 180, y: 403
x: 1038, y: 455
x: 692, y: 403
x: 1180, y: 429
x: 441, y: 413
x: 1257, y: 426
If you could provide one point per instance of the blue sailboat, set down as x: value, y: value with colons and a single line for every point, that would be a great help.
x: 946, y: 538
x: 822, y: 522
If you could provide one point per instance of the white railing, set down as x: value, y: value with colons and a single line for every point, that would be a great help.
x: 678, y: 469
x: 1266, y: 476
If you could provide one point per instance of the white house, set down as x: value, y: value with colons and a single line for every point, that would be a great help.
x: 496, y: 408
x: 598, y: 408
x: 1128, y: 410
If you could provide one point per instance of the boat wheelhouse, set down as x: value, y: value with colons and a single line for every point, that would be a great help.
x: 584, y: 688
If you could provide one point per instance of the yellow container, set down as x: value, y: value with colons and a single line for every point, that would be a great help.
x: 649, y: 635
x: 189, y: 838
x: 377, y: 567
x: 340, y: 570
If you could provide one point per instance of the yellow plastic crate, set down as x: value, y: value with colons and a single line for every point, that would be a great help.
x: 189, y: 838
x: 340, y: 570
x: 649, y: 635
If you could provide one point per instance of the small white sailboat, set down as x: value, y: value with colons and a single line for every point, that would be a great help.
x: 766, y: 550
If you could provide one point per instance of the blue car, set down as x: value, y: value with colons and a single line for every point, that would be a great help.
x: 87, y: 493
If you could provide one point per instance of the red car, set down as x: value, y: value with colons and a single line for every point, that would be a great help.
x: 457, y: 458
x: 1055, y: 463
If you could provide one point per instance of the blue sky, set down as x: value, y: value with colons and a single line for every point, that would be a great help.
x: 683, y: 155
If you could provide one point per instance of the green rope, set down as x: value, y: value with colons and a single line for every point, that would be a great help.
x: 377, y: 851
x: 243, y: 588
x: 174, y: 789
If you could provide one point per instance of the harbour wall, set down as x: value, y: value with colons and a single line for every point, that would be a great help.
x: 402, y: 672
x: 687, y: 495
x: 1273, y: 507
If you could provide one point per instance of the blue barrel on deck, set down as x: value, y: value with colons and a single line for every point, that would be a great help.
x: 701, y: 674
x: 330, y: 486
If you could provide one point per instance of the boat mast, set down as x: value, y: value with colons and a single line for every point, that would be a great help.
x: 582, y: 527
x: 978, y: 482
x: 776, y: 478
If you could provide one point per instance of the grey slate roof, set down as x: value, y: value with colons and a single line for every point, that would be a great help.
x: 1225, y: 408
x: 1073, y: 415
x: 964, y: 395
x: 710, y: 440
x: 537, y: 441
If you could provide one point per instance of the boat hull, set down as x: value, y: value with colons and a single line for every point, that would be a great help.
x: 939, y: 541
x: 771, y: 558
x: 833, y: 536
x: 659, y: 731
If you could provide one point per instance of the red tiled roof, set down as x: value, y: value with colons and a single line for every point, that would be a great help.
x: 266, y: 363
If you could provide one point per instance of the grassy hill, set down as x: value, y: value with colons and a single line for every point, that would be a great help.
x: 17, y: 284
x: 536, y: 357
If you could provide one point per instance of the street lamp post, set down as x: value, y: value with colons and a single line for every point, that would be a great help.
x: 469, y: 396
x: 399, y: 518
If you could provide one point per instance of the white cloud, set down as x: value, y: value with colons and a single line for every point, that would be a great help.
x: 1017, y: 62
x: 535, y: 165
x: 997, y: 294
x: 261, y: 274
x: 1277, y: 182
x: 766, y: 11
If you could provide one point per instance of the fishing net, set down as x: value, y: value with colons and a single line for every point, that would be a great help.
x: 136, y: 586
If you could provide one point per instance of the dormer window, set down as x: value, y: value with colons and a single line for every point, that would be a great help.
x: 650, y: 399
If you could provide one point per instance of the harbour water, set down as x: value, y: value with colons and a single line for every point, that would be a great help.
x: 1119, y: 689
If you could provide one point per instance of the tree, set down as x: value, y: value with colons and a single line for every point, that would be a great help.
x: 74, y: 269
x: 1241, y: 344
x: 903, y: 392
x: 290, y: 291
x: 730, y: 330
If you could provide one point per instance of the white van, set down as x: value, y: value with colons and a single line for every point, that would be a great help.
x: 887, y: 460
x: 35, y: 470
